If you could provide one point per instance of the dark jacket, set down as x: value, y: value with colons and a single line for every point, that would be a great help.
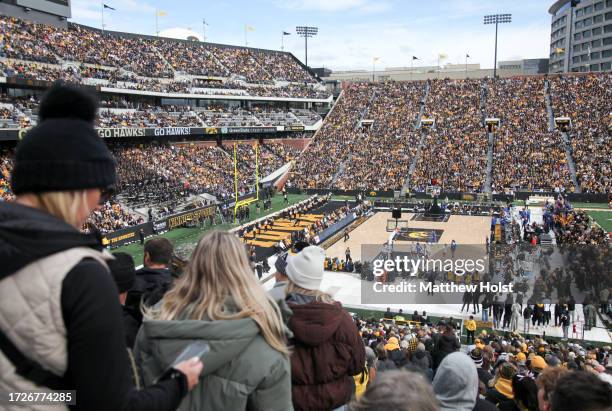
x: 447, y: 343
x: 397, y: 356
x: 91, y: 311
x: 131, y: 324
x: 495, y: 397
x: 484, y: 405
x: 484, y: 376
x: 149, y: 287
x: 385, y: 365
x: 327, y: 352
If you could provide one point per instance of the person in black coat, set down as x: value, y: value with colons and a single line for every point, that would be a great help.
x: 154, y: 279
x: 447, y: 343
x: 123, y: 271
x: 62, y: 155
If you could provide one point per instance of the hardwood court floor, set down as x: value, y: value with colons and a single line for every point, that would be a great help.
x: 462, y: 229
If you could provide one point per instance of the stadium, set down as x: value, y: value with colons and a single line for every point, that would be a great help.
x: 313, y: 242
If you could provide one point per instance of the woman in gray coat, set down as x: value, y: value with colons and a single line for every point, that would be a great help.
x: 219, y: 301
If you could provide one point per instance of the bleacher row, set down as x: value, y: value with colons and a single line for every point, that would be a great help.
x: 525, y: 154
x: 21, y: 113
x: 163, y: 176
x: 85, y: 55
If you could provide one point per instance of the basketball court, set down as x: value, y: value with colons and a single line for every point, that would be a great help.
x: 463, y: 229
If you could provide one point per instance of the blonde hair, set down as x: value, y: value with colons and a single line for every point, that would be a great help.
x: 64, y: 205
x: 317, y: 294
x: 218, y: 269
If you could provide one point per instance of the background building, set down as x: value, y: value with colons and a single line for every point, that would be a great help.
x: 54, y: 12
x: 452, y: 71
x: 581, y: 36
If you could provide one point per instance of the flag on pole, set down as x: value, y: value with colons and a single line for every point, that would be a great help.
x: 286, y: 33
x: 161, y: 13
x: 106, y: 6
x: 467, y: 56
x: 375, y: 59
x: 415, y: 58
x: 249, y: 28
x: 442, y: 56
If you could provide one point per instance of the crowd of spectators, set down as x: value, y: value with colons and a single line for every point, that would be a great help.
x: 112, y: 216
x: 149, y: 116
x: 6, y: 166
x: 526, y: 155
x: 496, y: 371
x: 335, y: 139
x: 454, y: 155
x: 381, y: 153
x: 113, y: 55
x: 585, y: 99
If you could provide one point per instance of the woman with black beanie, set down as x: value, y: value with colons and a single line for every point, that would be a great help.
x: 60, y: 319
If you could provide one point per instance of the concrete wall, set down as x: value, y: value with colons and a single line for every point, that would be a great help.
x: 32, y: 15
x: 407, y: 75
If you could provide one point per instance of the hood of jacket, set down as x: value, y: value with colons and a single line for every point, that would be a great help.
x: 227, y: 339
x: 316, y: 322
x: 456, y: 383
x: 28, y: 234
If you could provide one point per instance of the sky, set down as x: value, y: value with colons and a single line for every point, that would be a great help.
x: 351, y: 32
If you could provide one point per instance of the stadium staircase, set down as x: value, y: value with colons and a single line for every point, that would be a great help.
x: 342, y: 166
x: 200, y: 119
x: 567, y: 143
x: 162, y: 58
x: 571, y: 165
x: 490, y: 144
x: 417, y: 126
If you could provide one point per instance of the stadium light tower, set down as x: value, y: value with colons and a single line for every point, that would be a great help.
x: 306, y: 32
x: 497, y: 19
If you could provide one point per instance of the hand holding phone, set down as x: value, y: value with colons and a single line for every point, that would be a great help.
x: 189, y: 363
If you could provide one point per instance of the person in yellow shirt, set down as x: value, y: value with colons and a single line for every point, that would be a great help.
x: 470, y: 326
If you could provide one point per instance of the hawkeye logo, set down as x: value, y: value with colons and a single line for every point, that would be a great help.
x: 373, y: 193
x: 419, y: 235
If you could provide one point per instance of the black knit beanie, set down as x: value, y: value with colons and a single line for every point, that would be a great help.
x: 63, y: 152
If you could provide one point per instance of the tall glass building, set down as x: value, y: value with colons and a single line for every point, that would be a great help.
x: 581, y: 36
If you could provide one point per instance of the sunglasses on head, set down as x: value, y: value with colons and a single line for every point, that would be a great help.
x: 105, y: 194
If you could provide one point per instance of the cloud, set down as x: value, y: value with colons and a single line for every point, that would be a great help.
x: 364, y: 6
x: 395, y: 44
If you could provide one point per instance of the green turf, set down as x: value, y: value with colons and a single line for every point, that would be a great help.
x: 603, y: 218
x: 603, y: 206
x: 183, y: 236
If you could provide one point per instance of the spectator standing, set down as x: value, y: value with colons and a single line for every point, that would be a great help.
x: 565, y: 323
x: 79, y: 334
x: 397, y: 391
x: 502, y: 387
x: 527, y: 312
x: 581, y: 391
x: 219, y: 301
x: 456, y: 385
x: 123, y: 271
x: 470, y: 326
x: 525, y: 394
x: 546, y: 383
x: 327, y: 350
x: 154, y: 279
x: 446, y: 343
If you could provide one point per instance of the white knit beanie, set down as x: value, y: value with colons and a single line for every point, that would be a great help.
x: 305, y: 269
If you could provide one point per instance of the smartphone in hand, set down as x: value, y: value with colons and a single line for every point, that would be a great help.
x: 196, y: 349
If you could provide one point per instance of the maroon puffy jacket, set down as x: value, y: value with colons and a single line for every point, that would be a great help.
x: 328, y: 351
